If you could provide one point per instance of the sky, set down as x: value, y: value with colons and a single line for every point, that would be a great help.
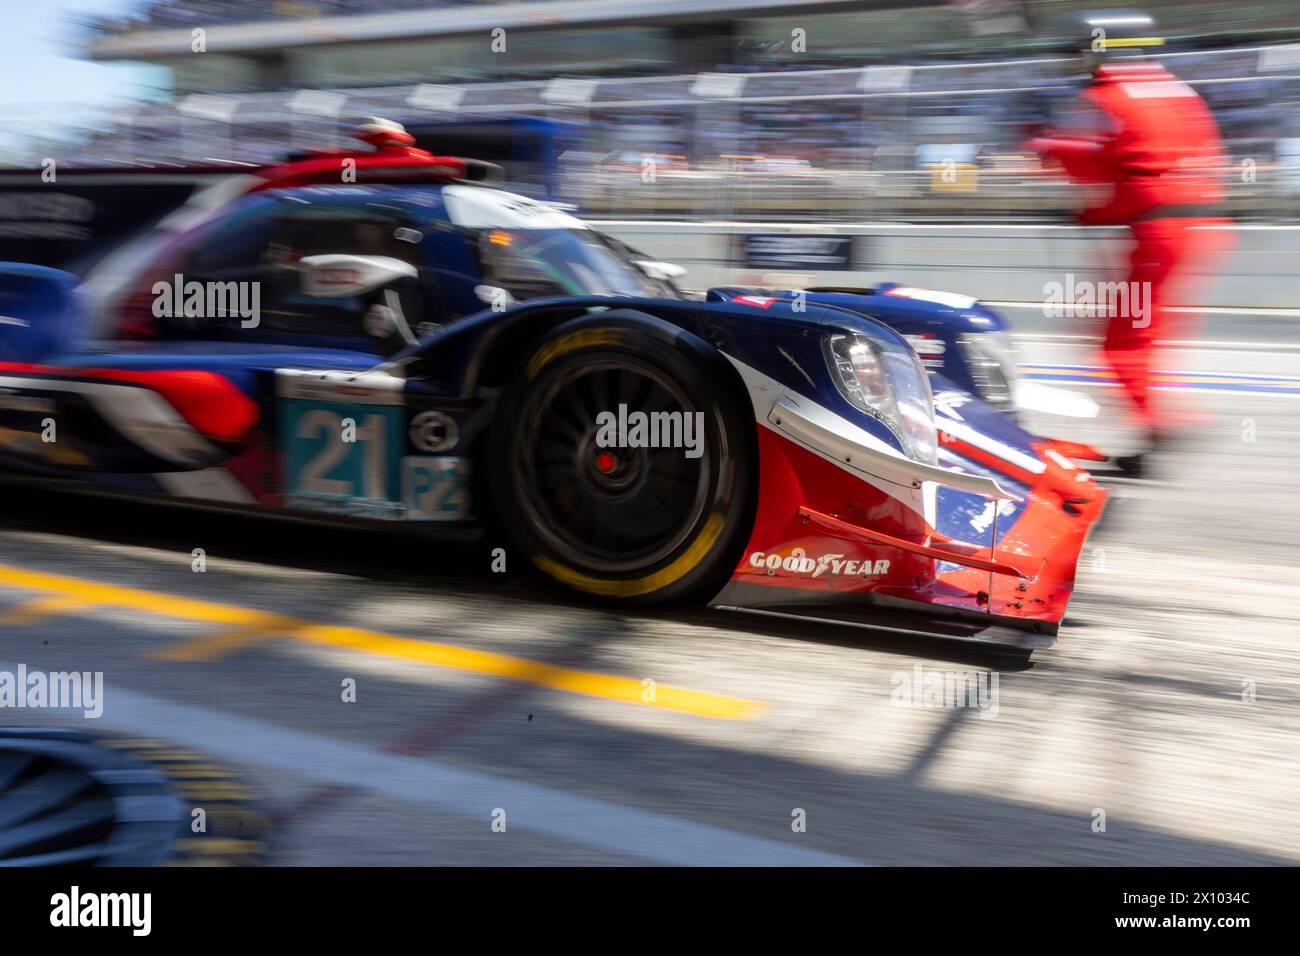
x: 47, y: 93
x: 38, y: 68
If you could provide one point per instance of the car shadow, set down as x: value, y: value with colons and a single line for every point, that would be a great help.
x: 401, y: 556
x: 910, y: 813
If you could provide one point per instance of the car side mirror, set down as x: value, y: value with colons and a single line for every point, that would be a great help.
x: 338, y: 275
x: 371, y: 278
x: 664, y: 271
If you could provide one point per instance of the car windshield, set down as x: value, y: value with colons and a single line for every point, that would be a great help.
x: 535, y: 262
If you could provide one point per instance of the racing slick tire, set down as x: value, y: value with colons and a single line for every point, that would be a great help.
x: 635, y: 508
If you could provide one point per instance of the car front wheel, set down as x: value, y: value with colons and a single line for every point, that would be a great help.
x: 622, y: 459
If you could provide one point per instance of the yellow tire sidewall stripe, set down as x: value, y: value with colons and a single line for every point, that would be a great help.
x: 581, y: 339
x: 636, y: 587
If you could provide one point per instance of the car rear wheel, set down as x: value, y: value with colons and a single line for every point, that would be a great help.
x: 622, y: 460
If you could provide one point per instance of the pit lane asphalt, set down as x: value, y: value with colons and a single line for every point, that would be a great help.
x: 1186, y: 592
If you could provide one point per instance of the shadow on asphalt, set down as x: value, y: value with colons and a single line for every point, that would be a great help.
x: 529, y: 734
x: 402, y: 556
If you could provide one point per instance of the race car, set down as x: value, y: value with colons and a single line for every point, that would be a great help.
x: 385, y: 339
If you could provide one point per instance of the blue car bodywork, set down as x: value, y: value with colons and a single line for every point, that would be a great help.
x: 202, y: 408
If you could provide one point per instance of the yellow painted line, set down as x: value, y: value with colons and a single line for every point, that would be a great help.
x: 1084, y: 373
x: 587, y: 683
x: 136, y: 599
x: 194, y: 862
x: 131, y: 742
x: 209, y: 647
x: 206, y: 771
x: 38, y: 609
x: 170, y: 756
x: 210, y: 845
x: 211, y: 790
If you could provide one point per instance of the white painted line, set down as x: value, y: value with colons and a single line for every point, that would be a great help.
x: 677, y: 225
x: 1184, y: 372
x: 466, y: 793
x: 885, y: 224
x: 1199, y: 389
x: 1191, y: 310
x: 1262, y: 348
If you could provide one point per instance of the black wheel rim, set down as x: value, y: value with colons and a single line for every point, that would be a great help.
x: 611, y: 509
x: 66, y: 800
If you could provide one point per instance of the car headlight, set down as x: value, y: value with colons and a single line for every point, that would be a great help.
x: 886, y: 380
x: 992, y: 364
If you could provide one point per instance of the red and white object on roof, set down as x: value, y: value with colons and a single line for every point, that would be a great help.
x: 395, y: 158
x: 381, y: 133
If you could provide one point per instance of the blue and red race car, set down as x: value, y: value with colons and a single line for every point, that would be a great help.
x: 379, y: 337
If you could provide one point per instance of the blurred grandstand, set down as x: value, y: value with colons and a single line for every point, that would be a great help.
x: 885, y: 109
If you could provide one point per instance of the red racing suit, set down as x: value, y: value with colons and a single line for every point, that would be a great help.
x: 1156, y: 144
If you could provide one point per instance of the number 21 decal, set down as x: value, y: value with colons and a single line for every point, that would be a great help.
x: 342, y: 458
x: 349, y: 459
x: 339, y: 432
